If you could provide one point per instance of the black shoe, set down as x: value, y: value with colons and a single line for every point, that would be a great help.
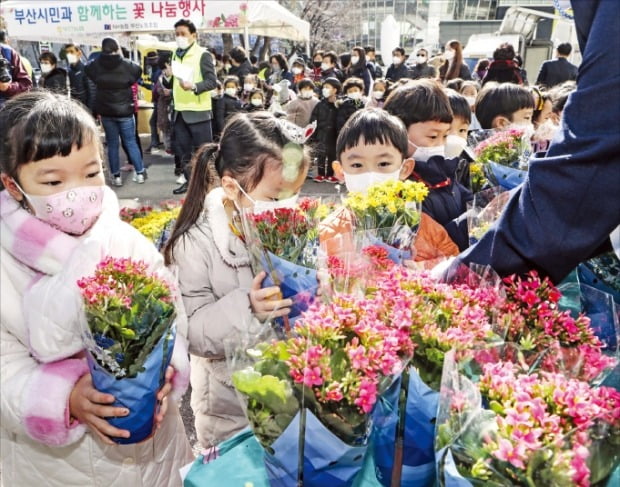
x: 181, y: 189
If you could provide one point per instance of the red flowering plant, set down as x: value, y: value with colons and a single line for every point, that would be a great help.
x: 539, y: 428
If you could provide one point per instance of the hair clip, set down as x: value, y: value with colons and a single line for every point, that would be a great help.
x: 295, y: 133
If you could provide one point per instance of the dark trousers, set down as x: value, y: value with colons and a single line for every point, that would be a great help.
x: 325, y: 155
x: 188, y: 138
x: 153, y: 125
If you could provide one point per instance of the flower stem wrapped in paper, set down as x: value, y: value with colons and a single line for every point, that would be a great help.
x: 129, y: 339
x: 504, y: 155
x: 390, y: 213
x: 310, y: 398
x: 518, y: 428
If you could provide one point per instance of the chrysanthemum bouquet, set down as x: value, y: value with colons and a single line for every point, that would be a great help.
x: 129, y: 338
x: 391, y: 212
x: 525, y: 429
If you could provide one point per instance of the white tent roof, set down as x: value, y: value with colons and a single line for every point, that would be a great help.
x: 80, y: 21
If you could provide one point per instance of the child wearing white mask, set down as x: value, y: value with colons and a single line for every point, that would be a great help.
x: 456, y: 142
x: 229, y: 103
x: 379, y: 94
x: 469, y: 89
x: 324, y: 138
x: 372, y: 148
x: 353, y: 100
x: 256, y: 101
x: 299, y: 110
x: 424, y: 108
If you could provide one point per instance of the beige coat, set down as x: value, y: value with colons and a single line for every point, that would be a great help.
x: 215, y: 278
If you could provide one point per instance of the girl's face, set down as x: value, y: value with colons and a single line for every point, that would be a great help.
x: 82, y: 167
x: 545, y: 113
x: 274, y: 186
x: 469, y: 91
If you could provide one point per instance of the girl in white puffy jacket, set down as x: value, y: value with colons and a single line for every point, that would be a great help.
x: 57, y: 221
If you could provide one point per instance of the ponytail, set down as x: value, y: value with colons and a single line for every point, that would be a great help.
x: 202, y: 180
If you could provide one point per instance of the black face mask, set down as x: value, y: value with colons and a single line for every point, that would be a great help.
x: 316, y: 64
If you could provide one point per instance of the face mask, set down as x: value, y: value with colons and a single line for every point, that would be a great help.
x: 546, y: 130
x: 377, y: 94
x: 248, y: 87
x: 227, y: 66
x: 361, y: 182
x: 73, y: 211
x: 46, y: 68
x: 325, y: 66
x: 262, y: 206
x: 276, y: 68
x: 230, y: 91
x: 257, y: 102
x: 423, y: 154
x: 72, y: 58
x: 454, y: 146
x: 526, y: 127
x: 327, y: 92
x: 317, y: 64
x: 397, y: 60
x: 471, y: 100
x: 421, y: 59
x: 354, y: 96
x: 354, y: 59
x: 306, y: 94
x: 448, y: 55
x: 182, y: 42
x: 296, y: 70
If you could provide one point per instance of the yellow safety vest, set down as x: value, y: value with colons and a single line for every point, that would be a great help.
x: 187, y: 100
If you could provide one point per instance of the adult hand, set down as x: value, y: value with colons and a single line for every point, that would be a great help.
x: 5, y: 86
x: 268, y: 302
x: 162, y: 397
x: 187, y: 85
x: 90, y: 407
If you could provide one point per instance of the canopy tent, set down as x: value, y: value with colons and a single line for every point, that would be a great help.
x: 83, y: 22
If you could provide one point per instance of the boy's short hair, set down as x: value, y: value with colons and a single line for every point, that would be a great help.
x: 353, y: 82
x: 305, y: 83
x: 231, y: 79
x: 501, y: 100
x: 399, y: 50
x: 49, y: 56
x: 334, y: 83
x: 186, y: 23
x: 564, y: 49
x: 459, y: 105
x: 332, y: 56
x: 375, y: 126
x: 238, y: 54
x: 109, y: 45
x: 422, y: 100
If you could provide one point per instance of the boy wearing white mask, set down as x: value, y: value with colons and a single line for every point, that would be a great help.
x: 353, y: 101
x: 53, y: 77
x: 456, y: 142
x: 324, y: 138
x: 299, y: 110
x: 228, y: 104
x: 372, y: 148
x: 424, y: 108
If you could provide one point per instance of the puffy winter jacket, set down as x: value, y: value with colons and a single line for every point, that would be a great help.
x: 113, y: 76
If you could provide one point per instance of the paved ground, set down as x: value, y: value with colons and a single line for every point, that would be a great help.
x: 158, y: 187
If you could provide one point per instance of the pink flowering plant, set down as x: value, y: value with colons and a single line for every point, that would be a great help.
x: 128, y: 310
x: 343, y: 356
x: 539, y: 428
x: 504, y: 147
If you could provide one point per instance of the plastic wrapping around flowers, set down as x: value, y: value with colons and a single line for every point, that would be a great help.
x: 484, y: 210
x: 137, y: 394
x: 509, y: 427
x: 418, y: 456
x: 129, y: 338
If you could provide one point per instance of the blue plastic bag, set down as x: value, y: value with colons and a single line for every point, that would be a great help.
x: 418, y: 450
x: 328, y: 461
x: 296, y: 282
x: 504, y: 176
x: 137, y: 393
x: 447, y: 467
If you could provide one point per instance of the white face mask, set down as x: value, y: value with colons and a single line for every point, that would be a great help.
x: 325, y: 66
x: 262, y: 206
x: 361, y: 182
x: 354, y: 59
x: 327, y: 92
x: 306, y: 94
x: 227, y: 66
x: 182, y: 42
x: 471, y: 100
x: 354, y: 96
x: 296, y: 70
x: 230, y: 91
x: 423, y: 154
x: 378, y: 94
x: 448, y: 55
x: 256, y: 102
x: 46, y: 68
x: 248, y: 87
x: 454, y: 146
x: 72, y: 58
x: 421, y: 59
x: 397, y: 60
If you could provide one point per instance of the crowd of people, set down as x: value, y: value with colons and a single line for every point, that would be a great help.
x: 229, y: 122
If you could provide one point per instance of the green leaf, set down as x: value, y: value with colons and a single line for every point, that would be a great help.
x: 275, y: 394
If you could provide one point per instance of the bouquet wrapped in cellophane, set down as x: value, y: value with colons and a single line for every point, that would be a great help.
x: 129, y: 338
x: 390, y: 213
x: 484, y: 210
x: 507, y: 426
